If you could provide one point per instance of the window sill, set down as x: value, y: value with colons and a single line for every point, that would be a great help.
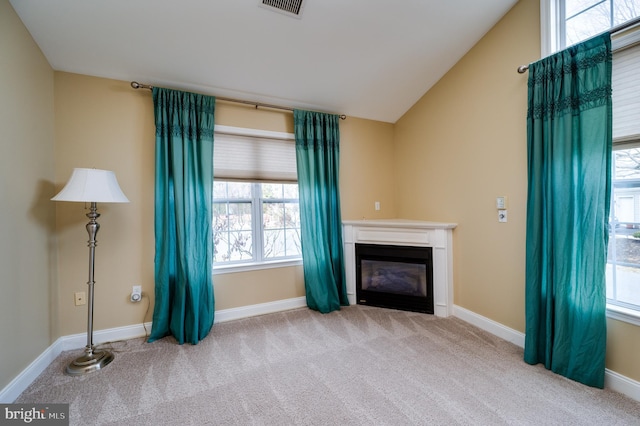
x: 244, y: 267
x: 623, y: 314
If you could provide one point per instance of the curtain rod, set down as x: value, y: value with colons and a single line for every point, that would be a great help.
x: 137, y: 85
x: 523, y: 68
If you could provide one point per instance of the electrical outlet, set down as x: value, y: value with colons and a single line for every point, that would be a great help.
x: 136, y: 294
x: 80, y: 298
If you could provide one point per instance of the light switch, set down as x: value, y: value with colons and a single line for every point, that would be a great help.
x: 501, y: 202
x: 502, y: 215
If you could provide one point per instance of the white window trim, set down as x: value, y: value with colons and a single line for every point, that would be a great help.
x: 549, y: 27
x: 550, y: 19
x: 268, y: 264
x: 623, y: 314
x: 255, y: 266
x: 256, y: 133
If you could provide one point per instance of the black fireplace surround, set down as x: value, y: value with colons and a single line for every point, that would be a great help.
x: 397, y: 277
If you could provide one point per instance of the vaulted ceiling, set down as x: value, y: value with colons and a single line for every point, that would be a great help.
x: 366, y: 58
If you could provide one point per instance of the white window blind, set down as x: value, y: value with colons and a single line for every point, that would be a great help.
x: 626, y: 92
x: 254, y: 158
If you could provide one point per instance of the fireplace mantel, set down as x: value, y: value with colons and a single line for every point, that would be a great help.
x: 405, y: 232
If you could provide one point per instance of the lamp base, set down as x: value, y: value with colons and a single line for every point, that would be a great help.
x: 89, y: 363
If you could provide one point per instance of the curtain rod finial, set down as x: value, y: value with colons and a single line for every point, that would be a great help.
x: 522, y: 69
x: 137, y: 85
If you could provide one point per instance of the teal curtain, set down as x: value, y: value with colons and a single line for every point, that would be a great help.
x: 569, y: 166
x: 318, y: 161
x: 184, y: 301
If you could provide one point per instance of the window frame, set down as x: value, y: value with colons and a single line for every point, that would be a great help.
x: 621, y: 311
x: 256, y: 210
x: 552, y: 34
x: 549, y: 26
x: 262, y: 201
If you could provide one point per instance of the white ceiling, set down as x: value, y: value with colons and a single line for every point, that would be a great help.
x: 365, y: 58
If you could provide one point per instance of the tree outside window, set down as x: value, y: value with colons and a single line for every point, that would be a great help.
x: 255, y: 222
x: 586, y: 18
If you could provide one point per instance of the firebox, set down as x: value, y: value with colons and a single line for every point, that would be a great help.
x: 397, y: 277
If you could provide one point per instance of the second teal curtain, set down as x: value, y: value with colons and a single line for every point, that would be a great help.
x: 569, y: 166
x: 184, y: 302
x: 318, y: 161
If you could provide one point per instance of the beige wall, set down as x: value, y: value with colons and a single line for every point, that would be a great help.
x: 367, y: 172
x: 104, y: 123
x: 623, y: 347
x: 27, y: 256
x: 462, y: 145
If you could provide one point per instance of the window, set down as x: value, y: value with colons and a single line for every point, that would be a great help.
x: 255, y: 222
x: 568, y: 22
x: 256, y: 214
x: 623, y: 262
x: 623, y: 257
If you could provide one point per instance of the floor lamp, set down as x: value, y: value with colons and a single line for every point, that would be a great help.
x: 91, y: 186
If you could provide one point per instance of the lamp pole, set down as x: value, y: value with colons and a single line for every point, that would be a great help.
x: 91, y: 360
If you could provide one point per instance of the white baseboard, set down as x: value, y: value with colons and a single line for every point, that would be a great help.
x: 623, y: 384
x: 489, y: 325
x: 612, y: 380
x: 66, y: 343
x: 29, y: 374
x: 79, y: 341
x: 101, y: 337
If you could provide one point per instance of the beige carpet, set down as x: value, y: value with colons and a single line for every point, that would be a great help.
x: 358, y: 366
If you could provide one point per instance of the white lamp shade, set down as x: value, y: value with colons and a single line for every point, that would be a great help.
x: 92, y: 185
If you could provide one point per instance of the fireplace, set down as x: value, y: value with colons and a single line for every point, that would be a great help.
x: 436, y: 237
x: 398, y: 277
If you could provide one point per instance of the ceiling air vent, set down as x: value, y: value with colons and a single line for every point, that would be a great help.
x: 288, y: 7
